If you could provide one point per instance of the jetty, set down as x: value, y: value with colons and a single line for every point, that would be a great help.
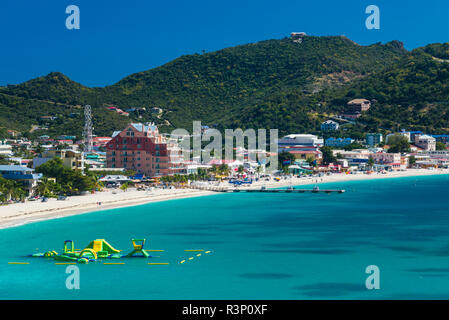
x: 291, y: 190
x: 265, y: 190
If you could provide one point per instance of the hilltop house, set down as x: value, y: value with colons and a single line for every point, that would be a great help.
x: 355, y: 108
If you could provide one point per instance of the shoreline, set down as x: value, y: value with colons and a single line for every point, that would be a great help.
x: 18, y: 214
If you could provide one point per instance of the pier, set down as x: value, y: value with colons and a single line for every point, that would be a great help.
x: 291, y: 190
x: 264, y: 190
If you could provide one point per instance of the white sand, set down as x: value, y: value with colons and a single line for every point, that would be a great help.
x: 31, y: 211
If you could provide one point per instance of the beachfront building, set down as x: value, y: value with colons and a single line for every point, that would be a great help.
x: 356, y: 157
x: 95, y: 160
x: 427, y: 143
x: 22, y: 174
x: 330, y: 125
x: 140, y: 147
x: 115, y: 179
x: 373, y: 139
x: 390, y: 161
x: 70, y: 158
x: 338, y: 142
x: 313, y: 155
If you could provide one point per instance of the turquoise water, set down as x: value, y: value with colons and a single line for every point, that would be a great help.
x: 264, y: 246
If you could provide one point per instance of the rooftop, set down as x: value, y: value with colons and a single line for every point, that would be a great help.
x: 14, y: 168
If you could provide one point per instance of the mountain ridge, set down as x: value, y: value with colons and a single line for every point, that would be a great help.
x: 229, y: 87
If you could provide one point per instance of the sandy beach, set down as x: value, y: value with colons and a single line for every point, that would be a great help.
x: 32, y: 211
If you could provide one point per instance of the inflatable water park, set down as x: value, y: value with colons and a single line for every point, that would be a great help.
x: 100, y: 249
x: 95, y: 250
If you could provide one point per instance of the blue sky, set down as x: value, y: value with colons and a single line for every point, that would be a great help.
x: 118, y: 38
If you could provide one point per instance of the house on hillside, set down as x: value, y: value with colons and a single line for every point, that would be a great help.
x: 330, y: 125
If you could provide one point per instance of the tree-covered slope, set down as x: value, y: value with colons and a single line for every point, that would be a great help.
x: 269, y: 84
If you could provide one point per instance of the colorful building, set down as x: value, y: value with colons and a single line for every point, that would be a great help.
x: 338, y: 142
x: 70, y: 158
x: 22, y: 174
x: 373, y: 139
x: 140, y: 147
x: 299, y: 141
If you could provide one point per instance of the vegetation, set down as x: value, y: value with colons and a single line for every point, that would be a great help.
x: 68, y: 182
x: 398, y: 143
x: 11, y: 190
x: 440, y: 146
x: 270, y: 84
x: 328, y: 155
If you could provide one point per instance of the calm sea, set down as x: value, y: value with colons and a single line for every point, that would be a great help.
x: 263, y: 246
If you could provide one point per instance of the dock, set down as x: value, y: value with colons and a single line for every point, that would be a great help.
x: 264, y: 190
x: 291, y: 190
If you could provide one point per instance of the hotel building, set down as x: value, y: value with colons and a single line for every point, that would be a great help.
x: 140, y: 147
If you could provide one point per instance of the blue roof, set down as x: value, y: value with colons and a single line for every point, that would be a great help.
x: 14, y: 168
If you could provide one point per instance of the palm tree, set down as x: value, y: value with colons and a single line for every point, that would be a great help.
x: 370, y: 163
x: 258, y: 170
x: 44, y: 187
x: 13, y: 190
x: 124, y: 186
x: 225, y: 170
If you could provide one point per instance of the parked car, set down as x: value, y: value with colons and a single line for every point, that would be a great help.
x: 62, y: 198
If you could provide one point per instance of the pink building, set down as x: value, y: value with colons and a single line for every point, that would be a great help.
x: 141, y: 148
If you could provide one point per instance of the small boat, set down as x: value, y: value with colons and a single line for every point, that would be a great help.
x: 316, y: 189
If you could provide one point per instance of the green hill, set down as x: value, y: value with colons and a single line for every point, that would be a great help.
x: 269, y: 84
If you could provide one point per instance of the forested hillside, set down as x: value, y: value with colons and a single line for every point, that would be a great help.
x: 269, y: 84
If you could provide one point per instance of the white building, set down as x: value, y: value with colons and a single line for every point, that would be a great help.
x: 426, y: 142
x: 299, y: 140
